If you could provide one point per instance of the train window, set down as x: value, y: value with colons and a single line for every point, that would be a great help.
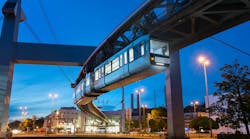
x: 96, y: 75
x: 131, y: 54
x: 108, y: 68
x: 87, y: 81
x: 121, y: 59
x: 115, y: 64
x: 125, y: 57
x: 137, y: 52
x: 78, y: 90
x: 142, y: 45
x: 159, y: 47
x: 101, y: 72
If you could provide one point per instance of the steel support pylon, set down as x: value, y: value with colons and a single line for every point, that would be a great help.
x: 8, y: 38
x: 174, y: 97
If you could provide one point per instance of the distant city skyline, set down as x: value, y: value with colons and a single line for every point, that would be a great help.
x: 89, y: 23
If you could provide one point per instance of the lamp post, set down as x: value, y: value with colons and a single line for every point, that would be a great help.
x: 139, y: 91
x: 194, y: 104
x: 23, y: 111
x: 53, y: 96
x: 205, y: 62
x: 144, y: 106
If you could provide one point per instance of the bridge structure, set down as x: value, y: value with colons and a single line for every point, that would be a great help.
x: 180, y: 22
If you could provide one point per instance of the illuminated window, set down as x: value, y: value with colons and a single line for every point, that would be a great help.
x: 115, y: 64
x: 96, y: 75
x: 87, y: 81
x: 99, y: 74
x: 125, y: 57
x: 108, y: 68
x: 121, y: 59
x: 142, y: 45
x: 131, y: 54
x: 78, y: 90
x: 159, y: 48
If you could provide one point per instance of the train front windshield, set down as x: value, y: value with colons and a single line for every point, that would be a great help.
x: 159, y: 48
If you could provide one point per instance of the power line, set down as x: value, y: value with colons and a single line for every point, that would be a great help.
x: 230, y: 46
x: 53, y: 34
x: 40, y: 41
x: 33, y: 32
x: 48, y: 21
x: 65, y: 75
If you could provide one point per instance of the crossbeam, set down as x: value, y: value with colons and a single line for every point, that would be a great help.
x: 51, y: 54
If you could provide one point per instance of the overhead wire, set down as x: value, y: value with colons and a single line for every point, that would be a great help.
x: 33, y: 32
x: 40, y: 41
x: 230, y: 46
x: 53, y: 34
x: 48, y: 21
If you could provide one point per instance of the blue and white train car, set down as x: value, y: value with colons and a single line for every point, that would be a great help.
x: 141, y: 58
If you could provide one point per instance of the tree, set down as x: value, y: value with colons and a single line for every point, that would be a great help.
x: 233, y: 105
x: 26, y: 123
x: 161, y: 111
x: 158, y: 121
x: 203, y: 122
x: 134, y: 124
x: 15, y: 124
x: 153, y: 125
x: 39, y: 122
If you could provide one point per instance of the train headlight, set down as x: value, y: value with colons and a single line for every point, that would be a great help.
x: 152, y: 58
x: 160, y: 64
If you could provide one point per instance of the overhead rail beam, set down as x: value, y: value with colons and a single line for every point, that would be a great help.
x: 181, y: 21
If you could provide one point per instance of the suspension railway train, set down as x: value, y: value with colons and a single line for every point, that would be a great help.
x: 141, y: 58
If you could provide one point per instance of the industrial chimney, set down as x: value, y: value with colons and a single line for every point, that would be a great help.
x: 132, y: 102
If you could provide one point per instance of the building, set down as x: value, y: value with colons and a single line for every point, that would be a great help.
x: 65, y: 119
x: 189, y: 116
x: 93, y: 125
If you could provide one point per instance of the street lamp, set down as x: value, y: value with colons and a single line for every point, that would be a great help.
x: 53, y: 96
x: 23, y: 111
x: 205, y: 62
x: 194, y: 103
x: 139, y: 91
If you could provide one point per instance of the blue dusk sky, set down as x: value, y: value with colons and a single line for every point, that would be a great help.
x: 82, y: 22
